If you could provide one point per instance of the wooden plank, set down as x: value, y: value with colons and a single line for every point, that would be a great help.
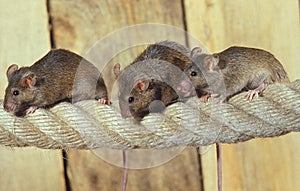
x: 88, y: 172
x: 24, y: 39
x: 269, y: 164
x: 78, y: 25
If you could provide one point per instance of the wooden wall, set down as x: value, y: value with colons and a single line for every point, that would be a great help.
x: 262, y: 164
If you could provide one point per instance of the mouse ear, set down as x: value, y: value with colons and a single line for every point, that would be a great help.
x: 28, y: 80
x: 117, y: 70
x: 196, y: 51
x: 142, y: 85
x: 11, y: 69
x: 211, y: 62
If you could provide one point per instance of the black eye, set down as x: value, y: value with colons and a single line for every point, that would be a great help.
x: 193, y: 73
x: 130, y: 99
x: 16, y: 92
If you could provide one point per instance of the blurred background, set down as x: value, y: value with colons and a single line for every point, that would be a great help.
x: 29, y: 29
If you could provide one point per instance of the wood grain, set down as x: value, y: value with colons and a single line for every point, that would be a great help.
x: 78, y: 25
x: 88, y: 172
x: 24, y: 39
x: 269, y: 164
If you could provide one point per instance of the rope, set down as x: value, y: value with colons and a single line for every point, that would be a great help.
x: 89, y: 125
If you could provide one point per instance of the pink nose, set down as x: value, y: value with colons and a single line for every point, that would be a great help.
x: 9, y: 107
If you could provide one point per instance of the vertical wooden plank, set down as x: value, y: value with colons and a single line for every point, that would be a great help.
x: 78, y: 25
x: 24, y: 39
x: 269, y: 164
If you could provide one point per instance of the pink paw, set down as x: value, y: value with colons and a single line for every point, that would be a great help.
x: 204, y: 98
x: 31, y: 109
x: 104, y: 101
x: 255, y: 93
x: 252, y: 94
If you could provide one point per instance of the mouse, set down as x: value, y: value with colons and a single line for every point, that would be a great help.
x: 232, y: 71
x: 150, y: 82
x: 60, y: 75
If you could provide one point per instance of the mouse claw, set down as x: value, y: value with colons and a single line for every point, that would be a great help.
x: 104, y: 101
x: 255, y: 93
x: 252, y: 94
x: 31, y: 109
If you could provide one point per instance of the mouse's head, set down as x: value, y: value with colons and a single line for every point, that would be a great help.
x: 134, y: 102
x: 146, y: 96
x: 204, y: 66
x: 21, y: 90
x: 141, y: 91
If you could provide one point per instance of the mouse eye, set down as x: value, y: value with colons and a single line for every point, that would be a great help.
x: 130, y: 99
x: 16, y: 92
x: 193, y: 73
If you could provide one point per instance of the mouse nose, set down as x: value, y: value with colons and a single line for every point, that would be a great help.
x: 8, y: 107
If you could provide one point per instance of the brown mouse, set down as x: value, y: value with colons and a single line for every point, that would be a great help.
x: 150, y: 82
x: 234, y: 70
x: 60, y: 75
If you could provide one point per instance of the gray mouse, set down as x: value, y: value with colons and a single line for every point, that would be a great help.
x: 150, y: 82
x: 234, y: 70
x: 59, y: 76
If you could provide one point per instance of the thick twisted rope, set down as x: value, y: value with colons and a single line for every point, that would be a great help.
x: 89, y: 125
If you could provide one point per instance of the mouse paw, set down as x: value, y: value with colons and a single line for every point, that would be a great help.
x: 104, y: 101
x: 31, y: 109
x: 255, y: 93
x: 204, y: 98
x: 252, y: 94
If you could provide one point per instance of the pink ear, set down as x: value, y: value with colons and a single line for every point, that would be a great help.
x: 117, y: 70
x: 142, y: 85
x: 211, y: 62
x: 28, y: 80
x: 12, y: 68
x: 196, y: 52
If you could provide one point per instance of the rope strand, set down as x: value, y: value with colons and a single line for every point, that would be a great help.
x: 89, y: 125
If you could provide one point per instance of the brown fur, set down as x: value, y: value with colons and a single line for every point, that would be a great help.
x: 158, y: 68
x: 236, y: 69
x: 55, y: 75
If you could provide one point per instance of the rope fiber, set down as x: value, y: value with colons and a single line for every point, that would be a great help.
x: 89, y: 125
